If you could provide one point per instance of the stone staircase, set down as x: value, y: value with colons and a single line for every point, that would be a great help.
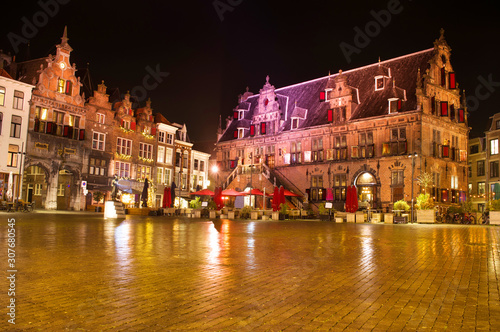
x: 114, y: 209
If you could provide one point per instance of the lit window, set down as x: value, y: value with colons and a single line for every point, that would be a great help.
x: 100, y: 118
x: 60, y: 85
x: 2, y: 96
x: 38, y: 189
x: 493, y: 146
x: 122, y: 169
x: 13, y: 155
x: 60, y: 189
x: 18, y: 100
x: 161, y: 136
x: 161, y: 154
x: 146, y: 151
x: 379, y: 83
x: 124, y: 146
x: 295, y: 123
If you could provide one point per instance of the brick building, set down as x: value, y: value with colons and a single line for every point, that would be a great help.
x: 354, y: 128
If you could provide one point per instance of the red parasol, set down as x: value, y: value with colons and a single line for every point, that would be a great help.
x: 204, y: 192
x: 164, y: 202
x: 276, y: 199
x: 289, y: 193
x: 348, y: 199
x: 231, y: 192
x: 354, y: 199
x: 282, y: 196
x: 257, y: 192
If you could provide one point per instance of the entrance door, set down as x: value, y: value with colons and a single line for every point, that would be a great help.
x: 29, y: 194
x: 367, y: 185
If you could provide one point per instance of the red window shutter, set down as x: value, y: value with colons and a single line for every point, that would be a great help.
x: 443, y: 77
x: 68, y: 87
x: 453, y: 83
x: 444, y: 108
x: 48, y: 129
x: 37, y: 125
x: 452, y: 112
x: 445, y: 151
x: 132, y: 125
x: 252, y: 130
x: 66, y: 131
x: 461, y: 115
x: 263, y: 128
x: 235, y: 134
x: 324, y: 194
x: 130, y: 111
x: 322, y: 96
x: 121, y: 123
x: 330, y: 115
x: 433, y: 105
x: 235, y: 115
x: 400, y: 104
x: 82, y: 135
x: 153, y: 131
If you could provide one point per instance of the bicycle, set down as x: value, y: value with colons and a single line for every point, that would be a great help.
x: 485, y: 218
x: 29, y: 207
x: 468, y: 219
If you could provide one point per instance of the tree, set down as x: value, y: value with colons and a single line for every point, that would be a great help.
x: 98, y: 196
x: 425, y: 180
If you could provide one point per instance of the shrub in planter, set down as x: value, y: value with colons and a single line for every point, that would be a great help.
x: 195, y: 203
x: 401, y: 205
x: 245, y: 212
x: 283, y: 211
x: 324, y: 213
x: 424, y: 202
x: 98, y: 196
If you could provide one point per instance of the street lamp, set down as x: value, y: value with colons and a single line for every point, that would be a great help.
x: 215, y: 170
x: 412, y: 156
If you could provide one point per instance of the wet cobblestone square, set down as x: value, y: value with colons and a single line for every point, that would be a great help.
x: 80, y: 272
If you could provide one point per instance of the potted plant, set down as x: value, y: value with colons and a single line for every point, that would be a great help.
x: 212, y: 209
x: 425, y: 209
x: 245, y: 212
x: 495, y: 212
x: 195, y: 204
x: 98, y: 196
x: 399, y: 207
x: 283, y: 211
x: 324, y: 213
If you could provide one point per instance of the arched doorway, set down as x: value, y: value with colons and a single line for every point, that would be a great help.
x: 366, y: 184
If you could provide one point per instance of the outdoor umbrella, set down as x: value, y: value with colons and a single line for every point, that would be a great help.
x: 354, y: 199
x: 256, y: 191
x: 231, y: 192
x: 204, y: 192
x: 276, y: 198
x: 348, y: 199
x: 172, y: 193
x: 282, y: 196
x: 218, y: 198
x: 169, y: 197
x: 9, y: 186
x: 289, y: 193
x: 165, y: 198
x: 144, y: 194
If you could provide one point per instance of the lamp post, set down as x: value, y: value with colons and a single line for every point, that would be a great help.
x: 215, y: 170
x: 412, y: 156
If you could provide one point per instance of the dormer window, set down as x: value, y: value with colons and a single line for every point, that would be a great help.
x: 295, y: 123
x: 395, y: 105
x: 379, y: 83
x: 239, y: 114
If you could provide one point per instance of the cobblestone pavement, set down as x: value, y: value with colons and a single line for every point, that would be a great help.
x: 79, y: 272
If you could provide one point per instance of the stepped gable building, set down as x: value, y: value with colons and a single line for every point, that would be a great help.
x: 56, y: 130
x: 357, y: 127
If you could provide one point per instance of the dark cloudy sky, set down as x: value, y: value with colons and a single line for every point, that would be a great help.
x: 210, y: 61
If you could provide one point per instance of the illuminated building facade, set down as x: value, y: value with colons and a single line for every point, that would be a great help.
x: 354, y: 128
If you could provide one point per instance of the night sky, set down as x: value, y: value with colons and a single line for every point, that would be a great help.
x: 211, y: 55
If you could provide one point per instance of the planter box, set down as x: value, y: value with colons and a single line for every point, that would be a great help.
x: 276, y: 215
x: 196, y: 214
x: 324, y: 217
x: 360, y: 217
x: 212, y: 214
x: 230, y: 215
x: 337, y: 219
x: 351, y: 217
x: 376, y: 217
x: 264, y: 217
x: 254, y: 215
x: 494, y: 217
x: 426, y: 216
x: 389, y: 218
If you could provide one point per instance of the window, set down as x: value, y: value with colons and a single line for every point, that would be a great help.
x: 340, y: 150
x: 126, y: 124
x: 397, y: 185
x: 72, y: 130
x: 161, y: 154
x: 161, y: 136
x: 13, y: 155
x: 195, y: 167
x: 18, y: 100
x: 60, y: 85
x: 317, y: 149
x: 480, y: 168
x: 144, y: 172
x: 481, y: 188
x: 395, y: 105
x: 474, y: 149
x: 493, y: 169
x: 454, y: 182
x: 241, y: 132
x: 100, y: 118
x: 202, y: 166
x: 159, y: 175
x: 38, y: 189
x: 317, y: 189
x: 493, y: 146
x: 397, y: 144
x: 15, y: 126
x: 97, y: 167
x: 2, y: 96
x: 124, y: 146
x: 168, y: 156
x: 59, y: 122
x: 1, y: 122
x: 170, y: 139
x: 146, y: 151
x: 122, y: 169
x: 167, y: 175
x: 98, y: 141
x: 296, y: 152
x: 295, y: 123
x: 68, y: 88
x: 60, y: 189
x: 366, y: 146
x: 337, y: 115
x: 379, y: 83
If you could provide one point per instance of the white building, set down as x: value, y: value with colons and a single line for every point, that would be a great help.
x: 14, y: 117
x: 199, y: 172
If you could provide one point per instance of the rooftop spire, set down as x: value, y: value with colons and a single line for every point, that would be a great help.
x: 64, y: 38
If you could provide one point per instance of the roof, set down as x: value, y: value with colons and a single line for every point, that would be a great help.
x: 294, y: 100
